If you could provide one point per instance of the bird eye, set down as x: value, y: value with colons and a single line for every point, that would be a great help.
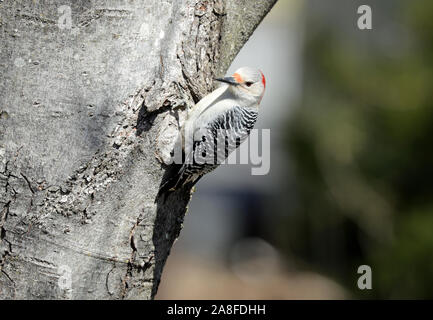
x: 249, y: 83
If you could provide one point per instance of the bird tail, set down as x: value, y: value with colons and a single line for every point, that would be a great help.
x: 173, y: 178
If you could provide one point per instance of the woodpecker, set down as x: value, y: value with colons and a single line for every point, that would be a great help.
x: 223, y: 117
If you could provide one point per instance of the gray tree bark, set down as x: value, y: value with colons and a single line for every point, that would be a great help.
x: 91, y: 97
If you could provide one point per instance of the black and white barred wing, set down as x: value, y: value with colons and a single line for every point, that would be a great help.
x: 212, y: 144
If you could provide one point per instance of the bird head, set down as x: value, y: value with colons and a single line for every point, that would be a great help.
x: 246, y: 84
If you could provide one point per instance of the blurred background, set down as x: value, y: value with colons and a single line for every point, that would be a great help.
x: 351, y: 178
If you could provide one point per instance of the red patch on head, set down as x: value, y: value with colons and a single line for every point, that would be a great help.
x: 238, y: 78
x: 263, y: 80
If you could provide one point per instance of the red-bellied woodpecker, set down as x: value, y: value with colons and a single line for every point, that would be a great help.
x: 224, y: 118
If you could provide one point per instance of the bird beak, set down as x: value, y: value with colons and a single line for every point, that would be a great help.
x: 229, y: 80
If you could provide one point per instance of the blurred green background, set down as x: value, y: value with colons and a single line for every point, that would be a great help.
x: 361, y: 143
x: 353, y: 183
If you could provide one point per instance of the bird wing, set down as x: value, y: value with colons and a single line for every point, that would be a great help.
x: 212, y: 143
x: 221, y: 135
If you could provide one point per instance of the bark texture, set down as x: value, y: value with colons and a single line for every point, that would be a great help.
x: 89, y: 111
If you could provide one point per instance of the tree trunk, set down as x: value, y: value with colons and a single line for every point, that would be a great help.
x: 92, y: 95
